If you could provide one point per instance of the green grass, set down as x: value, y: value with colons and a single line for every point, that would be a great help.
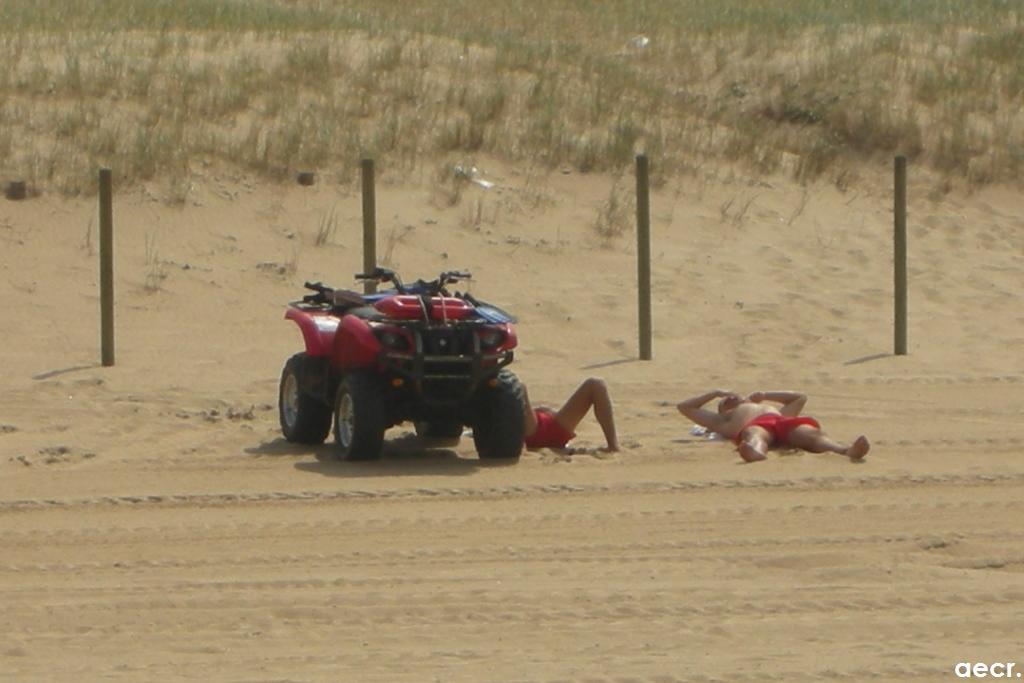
x: 152, y: 87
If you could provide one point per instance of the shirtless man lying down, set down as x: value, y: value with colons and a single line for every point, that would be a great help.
x: 755, y: 425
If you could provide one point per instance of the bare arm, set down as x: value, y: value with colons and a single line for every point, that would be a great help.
x: 694, y: 409
x: 792, y: 401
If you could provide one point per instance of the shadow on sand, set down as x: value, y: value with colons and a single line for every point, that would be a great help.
x: 404, y: 456
x: 609, y: 363
x: 866, y: 359
x: 64, y: 371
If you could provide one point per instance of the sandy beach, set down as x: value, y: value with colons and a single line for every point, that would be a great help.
x: 154, y: 524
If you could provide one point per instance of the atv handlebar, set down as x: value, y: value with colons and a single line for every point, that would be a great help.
x: 322, y: 296
x: 430, y: 287
x: 450, y: 277
x: 383, y: 275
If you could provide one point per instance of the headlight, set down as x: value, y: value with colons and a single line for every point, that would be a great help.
x: 393, y: 340
x: 491, y: 337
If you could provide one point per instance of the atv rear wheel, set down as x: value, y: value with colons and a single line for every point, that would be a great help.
x: 304, y: 419
x: 498, y: 430
x: 359, y: 417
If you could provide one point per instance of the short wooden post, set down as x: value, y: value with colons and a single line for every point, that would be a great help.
x: 643, y: 256
x: 106, y: 268
x: 369, y: 226
x: 900, y: 256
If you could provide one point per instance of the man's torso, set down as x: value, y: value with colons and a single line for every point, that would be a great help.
x: 742, y: 415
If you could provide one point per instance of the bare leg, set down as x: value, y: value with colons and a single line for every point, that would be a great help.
x: 593, y: 392
x: 529, y: 417
x: 814, y: 440
x: 754, y: 442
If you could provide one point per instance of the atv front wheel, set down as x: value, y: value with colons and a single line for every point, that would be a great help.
x: 304, y: 419
x: 359, y: 417
x: 498, y: 430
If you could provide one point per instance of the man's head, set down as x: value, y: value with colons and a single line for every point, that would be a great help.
x: 728, y: 404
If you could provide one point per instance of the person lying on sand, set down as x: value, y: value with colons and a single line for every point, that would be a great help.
x: 756, y: 426
x: 545, y: 428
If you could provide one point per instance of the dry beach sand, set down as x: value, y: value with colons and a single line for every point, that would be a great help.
x: 155, y: 526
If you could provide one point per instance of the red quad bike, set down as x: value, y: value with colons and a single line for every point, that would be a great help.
x: 412, y: 353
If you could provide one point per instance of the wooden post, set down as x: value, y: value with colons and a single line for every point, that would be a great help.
x: 106, y: 268
x: 900, y: 256
x: 643, y: 256
x: 369, y: 226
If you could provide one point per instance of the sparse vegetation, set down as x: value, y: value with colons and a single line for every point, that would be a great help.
x: 87, y: 245
x: 153, y: 88
x: 327, y: 228
x: 617, y: 214
x: 473, y: 217
x: 395, y: 236
x: 735, y: 212
x: 155, y: 273
x: 801, y: 205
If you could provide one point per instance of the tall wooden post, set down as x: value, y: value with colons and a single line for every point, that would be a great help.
x: 900, y: 257
x: 106, y: 268
x: 369, y: 225
x: 643, y: 256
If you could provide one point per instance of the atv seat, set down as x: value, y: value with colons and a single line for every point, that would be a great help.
x: 345, y: 298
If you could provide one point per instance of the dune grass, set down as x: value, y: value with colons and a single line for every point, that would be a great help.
x: 160, y: 89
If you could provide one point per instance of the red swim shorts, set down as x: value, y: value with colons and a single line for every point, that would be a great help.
x: 549, y: 433
x: 778, y: 426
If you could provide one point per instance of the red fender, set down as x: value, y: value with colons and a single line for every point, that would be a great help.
x: 318, y: 329
x: 511, y: 341
x: 355, y: 345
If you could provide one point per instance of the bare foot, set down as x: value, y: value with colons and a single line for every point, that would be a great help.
x: 859, y: 448
x: 749, y: 453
